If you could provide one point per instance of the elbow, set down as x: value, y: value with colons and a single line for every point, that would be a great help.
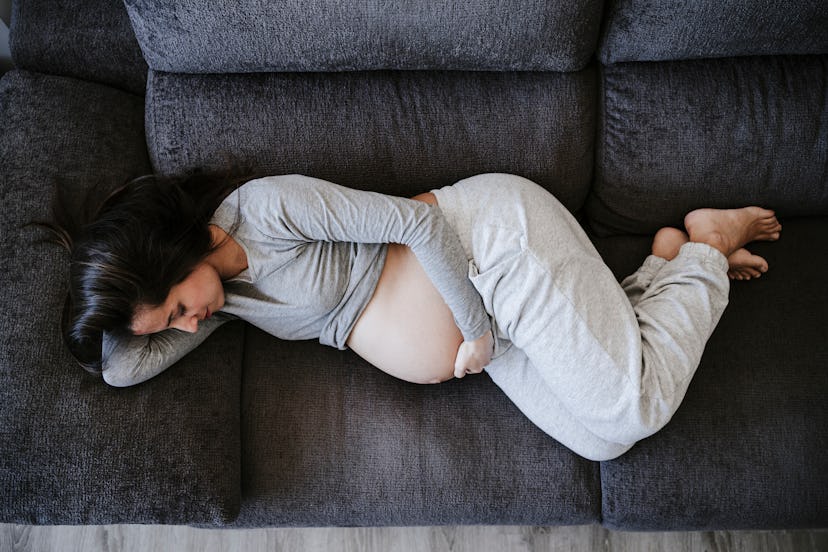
x: 114, y: 379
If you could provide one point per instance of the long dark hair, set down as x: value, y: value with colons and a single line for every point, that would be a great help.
x: 142, y: 239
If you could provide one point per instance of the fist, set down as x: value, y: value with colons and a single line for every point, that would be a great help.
x: 473, y: 356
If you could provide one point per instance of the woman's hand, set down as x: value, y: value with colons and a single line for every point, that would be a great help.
x: 473, y: 356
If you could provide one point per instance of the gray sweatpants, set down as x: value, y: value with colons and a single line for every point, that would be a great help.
x: 596, y: 365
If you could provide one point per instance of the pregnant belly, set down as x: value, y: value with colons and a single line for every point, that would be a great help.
x: 406, y: 329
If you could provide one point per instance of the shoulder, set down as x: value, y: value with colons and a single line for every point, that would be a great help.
x: 263, y: 193
x: 282, y: 184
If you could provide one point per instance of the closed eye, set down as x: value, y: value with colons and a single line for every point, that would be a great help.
x: 176, y: 314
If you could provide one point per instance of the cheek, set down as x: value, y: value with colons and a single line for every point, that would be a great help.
x: 219, y: 292
x: 213, y: 290
x: 203, y: 289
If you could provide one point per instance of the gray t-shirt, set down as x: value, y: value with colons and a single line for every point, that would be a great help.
x: 315, y: 251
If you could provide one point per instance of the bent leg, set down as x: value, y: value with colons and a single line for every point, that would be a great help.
x: 614, y: 372
x: 637, y: 283
x: 622, y: 370
x: 676, y: 315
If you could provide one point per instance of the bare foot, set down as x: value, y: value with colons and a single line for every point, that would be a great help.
x: 744, y: 265
x: 728, y: 230
x: 668, y: 241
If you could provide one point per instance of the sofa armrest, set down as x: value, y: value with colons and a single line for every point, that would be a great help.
x: 74, y: 450
x: 87, y: 39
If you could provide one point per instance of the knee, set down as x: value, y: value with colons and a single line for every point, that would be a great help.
x: 643, y: 419
x: 592, y: 446
x: 631, y: 418
x: 604, y: 452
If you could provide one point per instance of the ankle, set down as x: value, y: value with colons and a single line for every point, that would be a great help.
x: 716, y: 240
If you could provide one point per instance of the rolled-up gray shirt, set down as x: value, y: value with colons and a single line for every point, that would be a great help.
x: 315, y: 251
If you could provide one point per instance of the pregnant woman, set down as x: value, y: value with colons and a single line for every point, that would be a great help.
x: 492, y: 272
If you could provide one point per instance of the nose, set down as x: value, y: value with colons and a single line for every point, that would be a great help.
x: 192, y: 324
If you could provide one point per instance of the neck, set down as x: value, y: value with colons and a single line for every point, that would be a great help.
x: 229, y: 259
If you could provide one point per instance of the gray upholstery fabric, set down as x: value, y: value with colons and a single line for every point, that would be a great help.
x: 394, y: 132
x: 88, y: 39
x: 746, y: 449
x: 325, y: 438
x: 330, y: 440
x: 192, y: 36
x: 72, y: 449
x: 648, y: 30
x: 675, y: 136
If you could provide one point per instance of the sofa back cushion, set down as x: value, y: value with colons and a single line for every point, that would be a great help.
x: 676, y: 136
x: 194, y: 36
x: 647, y: 30
x: 397, y: 132
x: 87, y: 39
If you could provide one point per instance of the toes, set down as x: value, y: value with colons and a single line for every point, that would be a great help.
x: 745, y: 273
x: 769, y: 235
x: 770, y: 230
x: 738, y: 274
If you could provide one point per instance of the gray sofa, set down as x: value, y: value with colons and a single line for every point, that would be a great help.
x: 631, y: 112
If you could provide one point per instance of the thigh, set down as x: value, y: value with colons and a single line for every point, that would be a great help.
x: 569, y: 310
x: 574, y: 323
x: 509, y: 202
x: 547, y: 287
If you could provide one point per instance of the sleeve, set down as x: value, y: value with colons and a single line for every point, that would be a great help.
x: 131, y: 359
x: 311, y: 209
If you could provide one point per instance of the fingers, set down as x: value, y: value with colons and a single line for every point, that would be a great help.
x: 473, y: 356
x: 462, y: 369
x: 459, y: 371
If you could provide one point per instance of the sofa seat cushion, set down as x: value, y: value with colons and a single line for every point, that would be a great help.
x: 676, y: 136
x: 192, y: 36
x: 87, y: 39
x: 746, y: 449
x: 329, y: 441
x: 643, y: 30
x: 395, y: 132
x: 72, y: 449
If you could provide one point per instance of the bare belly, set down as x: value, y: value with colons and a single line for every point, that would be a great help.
x: 407, y: 330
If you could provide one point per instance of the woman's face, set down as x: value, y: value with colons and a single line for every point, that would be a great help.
x: 196, y: 298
